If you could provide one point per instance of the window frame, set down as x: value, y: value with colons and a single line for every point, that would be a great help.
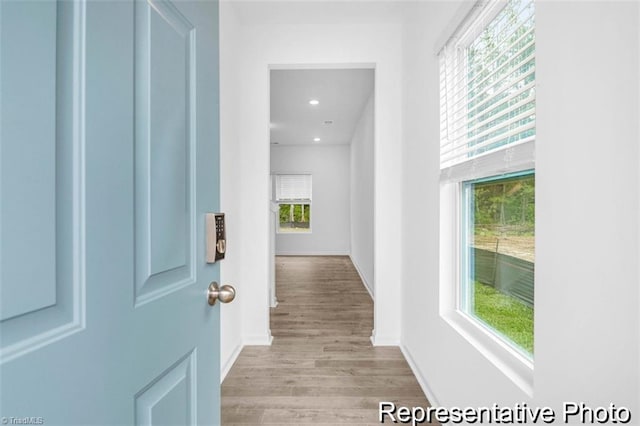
x: 280, y: 202
x: 517, y: 157
x: 466, y: 287
x: 511, y: 361
x: 294, y: 202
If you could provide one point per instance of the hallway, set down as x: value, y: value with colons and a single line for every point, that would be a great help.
x: 321, y: 367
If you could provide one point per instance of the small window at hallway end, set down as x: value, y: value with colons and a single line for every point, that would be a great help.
x: 293, y: 195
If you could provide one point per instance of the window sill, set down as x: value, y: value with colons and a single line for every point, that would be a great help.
x: 516, y: 366
x: 305, y: 232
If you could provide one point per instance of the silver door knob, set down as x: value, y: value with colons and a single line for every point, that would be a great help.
x: 224, y: 294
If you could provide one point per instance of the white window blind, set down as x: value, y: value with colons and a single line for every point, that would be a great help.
x: 293, y: 187
x: 487, y: 90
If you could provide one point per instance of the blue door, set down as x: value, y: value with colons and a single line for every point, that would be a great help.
x: 109, y: 163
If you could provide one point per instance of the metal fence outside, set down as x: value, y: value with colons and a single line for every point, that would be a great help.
x: 507, y: 274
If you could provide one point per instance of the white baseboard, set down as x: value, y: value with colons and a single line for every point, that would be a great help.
x: 362, y: 278
x: 312, y: 253
x: 421, y: 380
x: 258, y: 340
x: 229, y: 363
x: 378, y: 340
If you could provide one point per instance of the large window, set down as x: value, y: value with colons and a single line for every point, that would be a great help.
x: 487, y: 99
x: 293, y: 195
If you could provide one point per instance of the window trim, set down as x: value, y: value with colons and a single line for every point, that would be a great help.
x: 511, y: 158
x: 275, y: 191
x: 509, y: 360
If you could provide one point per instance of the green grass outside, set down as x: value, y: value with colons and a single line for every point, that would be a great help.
x: 505, y: 314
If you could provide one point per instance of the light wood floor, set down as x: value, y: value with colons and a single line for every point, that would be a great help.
x: 321, y: 368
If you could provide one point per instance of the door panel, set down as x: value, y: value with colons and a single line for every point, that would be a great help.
x: 169, y: 399
x: 109, y: 163
x: 41, y: 207
x: 165, y: 150
x: 39, y: 177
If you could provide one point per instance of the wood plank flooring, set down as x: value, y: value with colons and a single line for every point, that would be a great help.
x: 321, y: 368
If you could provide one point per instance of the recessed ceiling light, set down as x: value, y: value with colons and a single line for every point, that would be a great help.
x: 314, y: 102
x: 316, y: 139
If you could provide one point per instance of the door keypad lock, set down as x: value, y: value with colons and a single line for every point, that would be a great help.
x: 216, y: 237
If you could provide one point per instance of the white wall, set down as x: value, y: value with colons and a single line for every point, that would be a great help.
x: 330, y: 206
x: 586, y: 257
x: 311, y: 34
x: 440, y: 355
x: 362, y: 195
x: 587, y: 187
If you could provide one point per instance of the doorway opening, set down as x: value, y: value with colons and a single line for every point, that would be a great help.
x: 322, y: 134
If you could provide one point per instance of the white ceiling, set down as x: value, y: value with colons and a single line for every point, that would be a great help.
x: 342, y: 94
x: 332, y: 12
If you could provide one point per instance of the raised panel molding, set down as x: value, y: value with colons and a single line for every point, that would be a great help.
x: 172, y: 393
x: 60, y: 311
x: 164, y: 151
